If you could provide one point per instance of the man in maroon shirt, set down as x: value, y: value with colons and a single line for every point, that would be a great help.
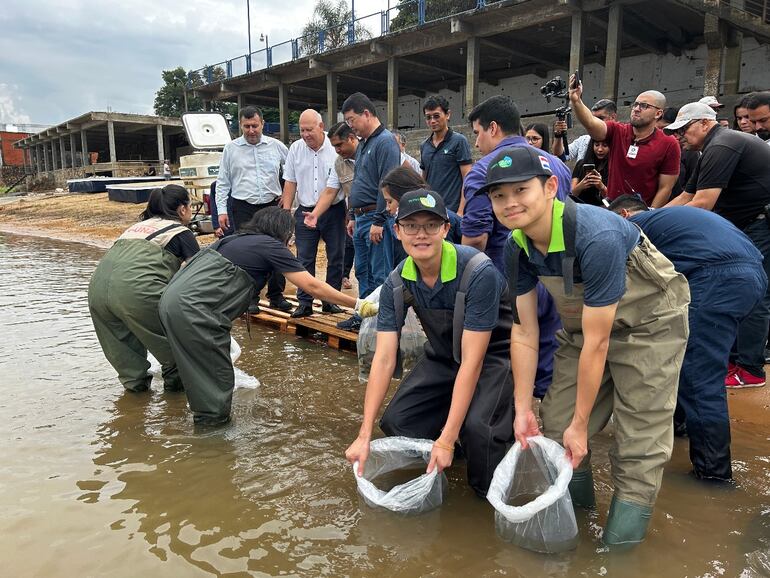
x: 642, y: 159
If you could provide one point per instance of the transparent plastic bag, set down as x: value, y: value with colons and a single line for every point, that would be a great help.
x: 242, y: 379
x: 412, y: 340
x: 395, y: 457
x: 530, y: 494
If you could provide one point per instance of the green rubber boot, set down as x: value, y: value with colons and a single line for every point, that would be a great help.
x: 581, y: 488
x: 626, y: 523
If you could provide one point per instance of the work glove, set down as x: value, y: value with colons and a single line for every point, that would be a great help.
x: 366, y: 308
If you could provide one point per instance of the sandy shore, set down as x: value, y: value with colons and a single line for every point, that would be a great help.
x: 93, y: 219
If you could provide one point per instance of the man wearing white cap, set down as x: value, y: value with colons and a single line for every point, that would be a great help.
x: 733, y: 180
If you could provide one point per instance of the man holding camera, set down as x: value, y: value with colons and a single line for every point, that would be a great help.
x: 642, y: 159
x: 603, y: 109
x: 732, y: 179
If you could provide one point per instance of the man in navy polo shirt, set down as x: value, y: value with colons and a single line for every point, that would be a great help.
x: 461, y: 389
x: 377, y: 154
x: 686, y: 235
x: 445, y: 156
x: 497, y: 124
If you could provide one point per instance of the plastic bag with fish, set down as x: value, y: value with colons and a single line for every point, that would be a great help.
x: 412, y: 340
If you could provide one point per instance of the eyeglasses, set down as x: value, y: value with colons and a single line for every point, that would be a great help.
x: 683, y: 129
x: 644, y: 106
x: 531, y: 139
x: 351, y: 119
x: 435, y: 116
x: 430, y: 228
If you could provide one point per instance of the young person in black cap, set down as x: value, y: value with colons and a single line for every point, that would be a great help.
x: 624, y: 313
x: 460, y: 391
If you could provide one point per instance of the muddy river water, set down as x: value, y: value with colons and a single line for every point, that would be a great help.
x: 97, y: 482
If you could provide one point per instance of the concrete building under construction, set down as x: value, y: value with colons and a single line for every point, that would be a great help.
x: 684, y: 48
x: 101, y: 143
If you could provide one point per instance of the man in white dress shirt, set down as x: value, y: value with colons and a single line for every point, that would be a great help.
x: 249, y: 173
x: 308, y: 165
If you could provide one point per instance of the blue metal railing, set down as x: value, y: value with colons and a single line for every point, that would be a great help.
x: 404, y: 15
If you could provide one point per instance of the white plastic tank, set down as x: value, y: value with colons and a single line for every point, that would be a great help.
x: 208, y: 134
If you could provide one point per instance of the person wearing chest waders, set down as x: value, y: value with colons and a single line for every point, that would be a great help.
x: 202, y: 300
x: 624, y: 312
x: 126, y: 286
x: 460, y: 391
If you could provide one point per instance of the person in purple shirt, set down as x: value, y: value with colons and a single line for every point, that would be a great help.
x: 496, y: 122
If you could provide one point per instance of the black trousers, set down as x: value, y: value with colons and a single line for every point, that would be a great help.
x: 242, y: 214
x: 330, y: 228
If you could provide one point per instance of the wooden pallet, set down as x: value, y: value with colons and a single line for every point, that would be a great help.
x: 317, y: 327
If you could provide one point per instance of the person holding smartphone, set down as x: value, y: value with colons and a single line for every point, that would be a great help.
x: 589, y: 179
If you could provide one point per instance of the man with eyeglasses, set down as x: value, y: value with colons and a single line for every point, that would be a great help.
x: 732, y: 179
x: 460, y: 391
x: 376, y: 155
x: 642, y: 159
x: 445, y: 156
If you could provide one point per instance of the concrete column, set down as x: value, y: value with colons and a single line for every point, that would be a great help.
x: 473, y: 62
x: 576, y: 46
x: 731, y: 70
x: 241, y: 102
x: 393, y: 93
x: 55, y: 156
x: 612, y: 56
x: 63, y: 152
x: 38, y: 166
x: 84, y: 147
x: 283, y: 111
x: 207, y: 105
x: 45, y: 156
x: 331, y: 99
x: 111, y: 139
x: 161, y: 149
x: 73, y: 151
x: 713, y: 34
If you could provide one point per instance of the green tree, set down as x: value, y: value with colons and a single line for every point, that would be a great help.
x: 170, y: 98
x: 434, y: 9
x: 332, y: 18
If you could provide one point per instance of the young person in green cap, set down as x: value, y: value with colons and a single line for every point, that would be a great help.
x: 624, y: 312
x: 460, y: 391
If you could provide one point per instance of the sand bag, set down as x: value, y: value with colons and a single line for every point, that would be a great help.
x: 395, y: 459
x: 412, y: 340
x: 530, y: 494
x: 242, y: 379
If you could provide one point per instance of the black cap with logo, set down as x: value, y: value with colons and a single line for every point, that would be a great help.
x: 421, y: 201
x: 516, y: 164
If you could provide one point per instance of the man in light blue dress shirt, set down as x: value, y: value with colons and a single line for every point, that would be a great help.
x: 249, y: 175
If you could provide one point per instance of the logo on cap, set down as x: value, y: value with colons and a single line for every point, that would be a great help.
x: 544, y: 162
x: 428, y: 201
x: 505, y: 162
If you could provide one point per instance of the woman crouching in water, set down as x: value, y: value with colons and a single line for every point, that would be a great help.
x: 215, y: 288
x: 126, y: 286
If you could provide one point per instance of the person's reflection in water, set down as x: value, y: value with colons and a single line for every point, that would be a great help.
x: 180, y: 484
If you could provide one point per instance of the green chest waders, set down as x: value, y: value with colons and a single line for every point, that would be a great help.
x: 420, y: 406
x: 123, y: 298
x: 197, y: 311
x: 647, y: 345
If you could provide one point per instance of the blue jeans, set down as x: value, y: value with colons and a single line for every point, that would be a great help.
x: 370, y: 259
x: 717, y: 306
x: 752, y: 332
x: 330, y: 228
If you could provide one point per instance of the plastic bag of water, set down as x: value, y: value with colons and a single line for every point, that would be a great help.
x: 412, y: 340
x: 397, y: 466
x: 530, y: 494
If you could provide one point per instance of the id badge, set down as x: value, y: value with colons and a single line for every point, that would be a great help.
x: 633, y: 150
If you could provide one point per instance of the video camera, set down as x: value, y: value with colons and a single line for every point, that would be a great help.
x: 557, y: 88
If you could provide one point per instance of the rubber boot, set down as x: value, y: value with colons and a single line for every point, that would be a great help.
x: 626, y: 523
x: 581, y: 488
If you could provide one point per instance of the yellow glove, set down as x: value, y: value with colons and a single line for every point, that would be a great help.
x: 366, y: 308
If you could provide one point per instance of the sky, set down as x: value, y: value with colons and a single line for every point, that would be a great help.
x: 62, y: 58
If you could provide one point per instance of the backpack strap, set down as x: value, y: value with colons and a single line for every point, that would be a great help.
x: 399, y: 309
x: 458, y: 321
x: 151, y: 236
